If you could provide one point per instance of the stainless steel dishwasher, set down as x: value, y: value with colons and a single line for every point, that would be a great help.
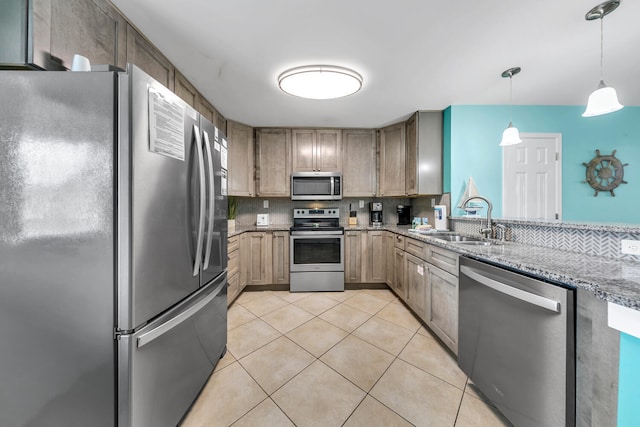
x: 517, y: 343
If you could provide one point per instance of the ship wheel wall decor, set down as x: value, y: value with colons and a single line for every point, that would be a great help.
x: 605, y: 173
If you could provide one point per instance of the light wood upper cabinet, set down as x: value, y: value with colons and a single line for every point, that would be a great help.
x: 316, y: 150
x: 143, y: 54
x: 359, y: 162
x: 240, y: 158
x: 185, y: 90
x: 392, y: 161
x: 273, y: 160
x: 424, y: 153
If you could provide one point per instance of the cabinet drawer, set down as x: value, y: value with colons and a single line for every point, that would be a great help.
x: 399, y: 241
x: 443, y: 258
x: 233, y: 262
x: 234, y: 243
x: 233, y: 287
x: 416, y: 248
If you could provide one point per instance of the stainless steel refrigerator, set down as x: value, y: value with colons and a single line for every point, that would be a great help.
x: 112, y: 250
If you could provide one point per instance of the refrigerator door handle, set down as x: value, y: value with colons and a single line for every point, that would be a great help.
x: 207, y: 256
x: 198, y: 257
x: 162, y: 329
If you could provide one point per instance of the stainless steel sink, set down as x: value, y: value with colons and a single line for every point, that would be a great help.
x: 456, y: 238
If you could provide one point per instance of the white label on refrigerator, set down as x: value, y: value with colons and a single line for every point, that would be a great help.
x: 223, y: 185
x: 166, y: 125
x: 223, y: 157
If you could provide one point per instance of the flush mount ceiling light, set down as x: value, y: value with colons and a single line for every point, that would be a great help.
x: 510, y: 136
x: 320, y: 81
x: 604, y: 99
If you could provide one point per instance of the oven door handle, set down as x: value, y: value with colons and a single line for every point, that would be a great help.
x: 528, y: 297
x: 317, y: 233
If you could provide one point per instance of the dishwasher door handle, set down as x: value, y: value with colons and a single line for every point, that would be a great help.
x: 546, y: 303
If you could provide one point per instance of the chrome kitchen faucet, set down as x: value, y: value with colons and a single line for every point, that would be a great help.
x: 486, y: 232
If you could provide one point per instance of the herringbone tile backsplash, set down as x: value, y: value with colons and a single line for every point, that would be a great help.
x: 598, y: 240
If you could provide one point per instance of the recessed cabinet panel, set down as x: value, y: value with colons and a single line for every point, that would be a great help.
x: 392, y: 161
x: 240, y: 159
x: 273, y: 172
x: 359, y: 163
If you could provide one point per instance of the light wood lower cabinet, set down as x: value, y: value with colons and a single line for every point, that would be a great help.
x: 352, y: 256
x: 258, y: 258
x: 443, y: 306
x: 417, y: 284
x: 389, y: 246
x: 426, y: 278
x: 233, y: 270
x: 376, y: 271
x: 364, y: 256
x: 280, y: 253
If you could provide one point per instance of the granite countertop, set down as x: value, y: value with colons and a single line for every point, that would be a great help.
x: 613, y: 280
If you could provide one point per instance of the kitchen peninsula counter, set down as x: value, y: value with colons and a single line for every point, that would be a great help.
x: 613, y: 280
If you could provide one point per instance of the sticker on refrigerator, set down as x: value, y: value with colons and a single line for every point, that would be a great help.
x: 166, y: 125
x: 223, y: 157
x: 223, y: 183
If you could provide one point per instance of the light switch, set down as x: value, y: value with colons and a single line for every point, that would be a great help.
x: 361, y: 204
x: 265, y: 204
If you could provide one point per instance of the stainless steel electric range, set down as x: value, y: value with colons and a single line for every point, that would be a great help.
x: 317, y: 250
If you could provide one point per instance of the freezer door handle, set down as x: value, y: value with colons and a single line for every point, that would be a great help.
x: 528, y: 297
x: 207, y: 255
x: 196, y: 263
x: 162, y: 329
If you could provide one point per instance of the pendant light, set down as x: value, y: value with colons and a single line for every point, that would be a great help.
x: 604, y: 99
x: 510, y: 136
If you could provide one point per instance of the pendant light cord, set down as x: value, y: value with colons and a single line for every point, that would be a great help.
x: 510, y: 98
x: 602, y: 48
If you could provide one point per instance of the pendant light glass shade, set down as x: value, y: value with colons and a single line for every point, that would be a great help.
x: 320, y: 82
x: 510, y: 136
x: 603, y: 100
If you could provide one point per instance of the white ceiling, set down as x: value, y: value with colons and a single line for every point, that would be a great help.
x: 412, y: 54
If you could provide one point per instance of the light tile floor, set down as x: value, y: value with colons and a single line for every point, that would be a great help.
x: 353, y: 358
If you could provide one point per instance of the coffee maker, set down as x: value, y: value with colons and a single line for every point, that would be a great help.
x: 375, y: 214
x: 404, y: 214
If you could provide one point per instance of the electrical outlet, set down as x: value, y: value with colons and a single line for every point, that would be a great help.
x: 265, y: 204
x: 631, y: 247
x: 361, y: 204
x: 433, y: 202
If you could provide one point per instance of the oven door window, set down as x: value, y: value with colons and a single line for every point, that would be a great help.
x: 322, y: 250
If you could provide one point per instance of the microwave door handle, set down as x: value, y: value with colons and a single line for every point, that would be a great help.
x: 207, y: 256
x: 333, y: 184
x: 202, y: 195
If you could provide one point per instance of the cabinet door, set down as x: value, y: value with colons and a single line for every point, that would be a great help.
x: 259, y: 258
x: 328, y: 154
x: 303, y: 142
x: 273, y: 172
x: 358, y: 163
x: 240, y: 159
x: 90, y: 28
x: 443, y: 302
x: 392, y: 161
x: 399, y: 273
x: 280, y: 254
x: 243, y: 260
x: 411, y: 159
x: 184, y: 89
x: 205, y: 108
x: 389, y: 242
x: 352, y: 256
x: 416, y: 279
x: 376, y: 264
x: 143, y: 54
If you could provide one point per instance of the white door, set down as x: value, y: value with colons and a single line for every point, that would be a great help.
x: 532, y: 177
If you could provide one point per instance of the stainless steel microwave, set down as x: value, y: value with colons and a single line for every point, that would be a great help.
x: 316, y: 186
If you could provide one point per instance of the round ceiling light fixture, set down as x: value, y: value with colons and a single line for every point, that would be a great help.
x: 320, y: 81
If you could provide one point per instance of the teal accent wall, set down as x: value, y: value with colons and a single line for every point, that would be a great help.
x: 629, y: 382
x: 474, y: 132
